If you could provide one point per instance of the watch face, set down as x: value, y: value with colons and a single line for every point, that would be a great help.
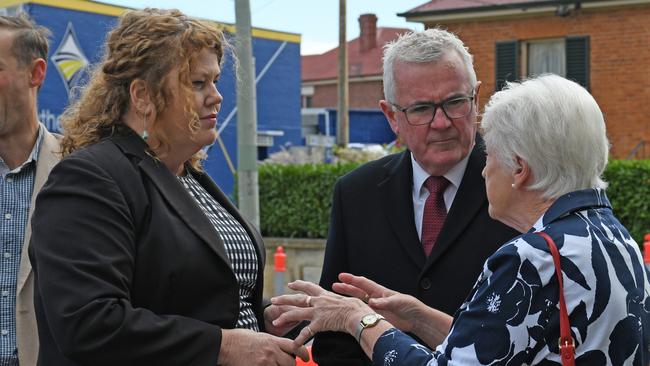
x: 369, y: 319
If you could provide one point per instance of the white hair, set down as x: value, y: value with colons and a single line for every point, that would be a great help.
x: 422, y: 47
x: 553, y: 124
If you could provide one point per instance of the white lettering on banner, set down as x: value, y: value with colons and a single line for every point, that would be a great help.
x: 51, y: 120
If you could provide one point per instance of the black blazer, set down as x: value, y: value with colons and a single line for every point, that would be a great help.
x: 372, y: 233
x: 129, y: 270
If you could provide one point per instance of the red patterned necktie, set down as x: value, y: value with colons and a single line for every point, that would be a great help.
x: 435, y: 211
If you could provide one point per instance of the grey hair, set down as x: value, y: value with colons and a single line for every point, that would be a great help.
x: 422, y: 47
x: 553, y: 124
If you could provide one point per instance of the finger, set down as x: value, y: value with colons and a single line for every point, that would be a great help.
x: 379, y: 303
x: 284, y: 357
x: 297, y: 314
x: 304, y: 336
x: 273, y: 311
x: 301, y: 351
x: 368, y: 286
x: 349, y: 290
x: 392, y: 303
x: 295, y: 300
x: 309, y: 288
x: 292, y: 348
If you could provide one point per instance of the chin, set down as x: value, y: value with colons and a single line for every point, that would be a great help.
x: 207, y: 137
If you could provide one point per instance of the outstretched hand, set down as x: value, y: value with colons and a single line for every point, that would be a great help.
x: 326, y: 310
x: 401, y: 310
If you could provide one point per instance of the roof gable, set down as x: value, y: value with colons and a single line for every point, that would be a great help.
x: 360, y: 64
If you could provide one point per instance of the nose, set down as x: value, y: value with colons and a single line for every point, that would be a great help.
x: 440, y: 120
x: 214, y: 97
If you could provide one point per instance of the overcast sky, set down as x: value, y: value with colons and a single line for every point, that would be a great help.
x: 315, y: 20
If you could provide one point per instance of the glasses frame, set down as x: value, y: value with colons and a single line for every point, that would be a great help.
x: 436, y: 106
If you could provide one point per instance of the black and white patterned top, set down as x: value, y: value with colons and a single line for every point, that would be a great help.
x: 239, y: 246
x: 511, y: 315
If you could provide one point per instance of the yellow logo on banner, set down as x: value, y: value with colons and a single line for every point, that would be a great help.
x: 69, y: 59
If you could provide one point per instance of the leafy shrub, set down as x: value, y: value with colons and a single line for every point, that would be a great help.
x: 629, y: 193
x: 295, y: 200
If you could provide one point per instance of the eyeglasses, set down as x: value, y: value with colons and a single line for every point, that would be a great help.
x: 424, y: 113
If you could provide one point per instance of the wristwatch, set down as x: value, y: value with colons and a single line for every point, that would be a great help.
x: 367, y: 321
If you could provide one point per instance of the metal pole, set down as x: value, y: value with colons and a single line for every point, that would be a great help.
x: 342, y: 118
x: 247, y: 184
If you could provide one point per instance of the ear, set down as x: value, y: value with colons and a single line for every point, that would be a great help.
x: 389, y: 112
x: 37, y: 72
x: 477, y: 89
x: 522, y: 173
x: 139, y: 96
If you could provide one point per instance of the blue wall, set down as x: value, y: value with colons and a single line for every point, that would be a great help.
x: 90, y: 30
x: 366, y: 126
x: 278, y: 91
x: 278, y: 105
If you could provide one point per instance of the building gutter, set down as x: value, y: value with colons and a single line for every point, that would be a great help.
x: 509, y: 10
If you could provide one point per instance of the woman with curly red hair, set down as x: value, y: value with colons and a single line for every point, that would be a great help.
x: 140, y: 259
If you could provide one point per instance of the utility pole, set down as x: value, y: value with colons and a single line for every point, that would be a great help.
x: 247, y: 183
x: 342, y: 118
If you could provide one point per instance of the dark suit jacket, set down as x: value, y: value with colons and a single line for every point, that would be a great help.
x: 129, y: 270
x: 372, y: 233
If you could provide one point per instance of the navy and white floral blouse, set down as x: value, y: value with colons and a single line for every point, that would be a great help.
x: 511, y: 315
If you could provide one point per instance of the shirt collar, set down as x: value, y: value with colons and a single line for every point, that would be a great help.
x: 454, y: 175
x: 37, y: 146
x: 33, y: 156
x: 572, y: 202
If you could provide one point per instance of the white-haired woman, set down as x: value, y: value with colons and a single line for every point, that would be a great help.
x: 547, y: 149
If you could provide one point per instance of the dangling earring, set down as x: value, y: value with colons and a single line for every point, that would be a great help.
x: 145, y: 134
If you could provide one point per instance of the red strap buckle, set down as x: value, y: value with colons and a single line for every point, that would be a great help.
x: 566, y: 345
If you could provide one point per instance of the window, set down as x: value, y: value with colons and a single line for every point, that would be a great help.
x: 307, y: 101
x: 568, y: 57
x: 546, y: 56
x: 306, y: 96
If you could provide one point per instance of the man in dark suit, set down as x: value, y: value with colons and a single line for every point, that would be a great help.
x: 385, y: 223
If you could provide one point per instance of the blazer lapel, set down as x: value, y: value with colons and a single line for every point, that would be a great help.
x: 471, y: 196
x: 214, y: 190
x: 172, y: 190
x: 48, y: 156
x: 396, y: 191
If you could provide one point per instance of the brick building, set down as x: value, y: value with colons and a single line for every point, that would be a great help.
x: 604, y: 45
x: 320, y: 72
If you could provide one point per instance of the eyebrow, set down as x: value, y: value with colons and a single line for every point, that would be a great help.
x: 451, y: 97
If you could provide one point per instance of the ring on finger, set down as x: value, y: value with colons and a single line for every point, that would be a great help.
x: 366, y: 298
x: 308, y: 301
x: 311, y: 332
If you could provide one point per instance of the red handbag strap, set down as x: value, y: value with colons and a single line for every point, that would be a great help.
x: 565, y: 342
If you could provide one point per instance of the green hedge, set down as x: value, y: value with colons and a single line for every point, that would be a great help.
x: 295, y: 200
x: 629, y: 192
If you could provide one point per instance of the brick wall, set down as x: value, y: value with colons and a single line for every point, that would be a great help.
x: 363, y: 95
x: 619, y: 61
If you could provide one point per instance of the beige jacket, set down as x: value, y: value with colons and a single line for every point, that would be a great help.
x: 27, y: 334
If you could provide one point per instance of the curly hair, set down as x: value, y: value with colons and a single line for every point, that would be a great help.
x: 146, y: 44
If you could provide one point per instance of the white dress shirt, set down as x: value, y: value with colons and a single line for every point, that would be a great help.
x: 420, y: 193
